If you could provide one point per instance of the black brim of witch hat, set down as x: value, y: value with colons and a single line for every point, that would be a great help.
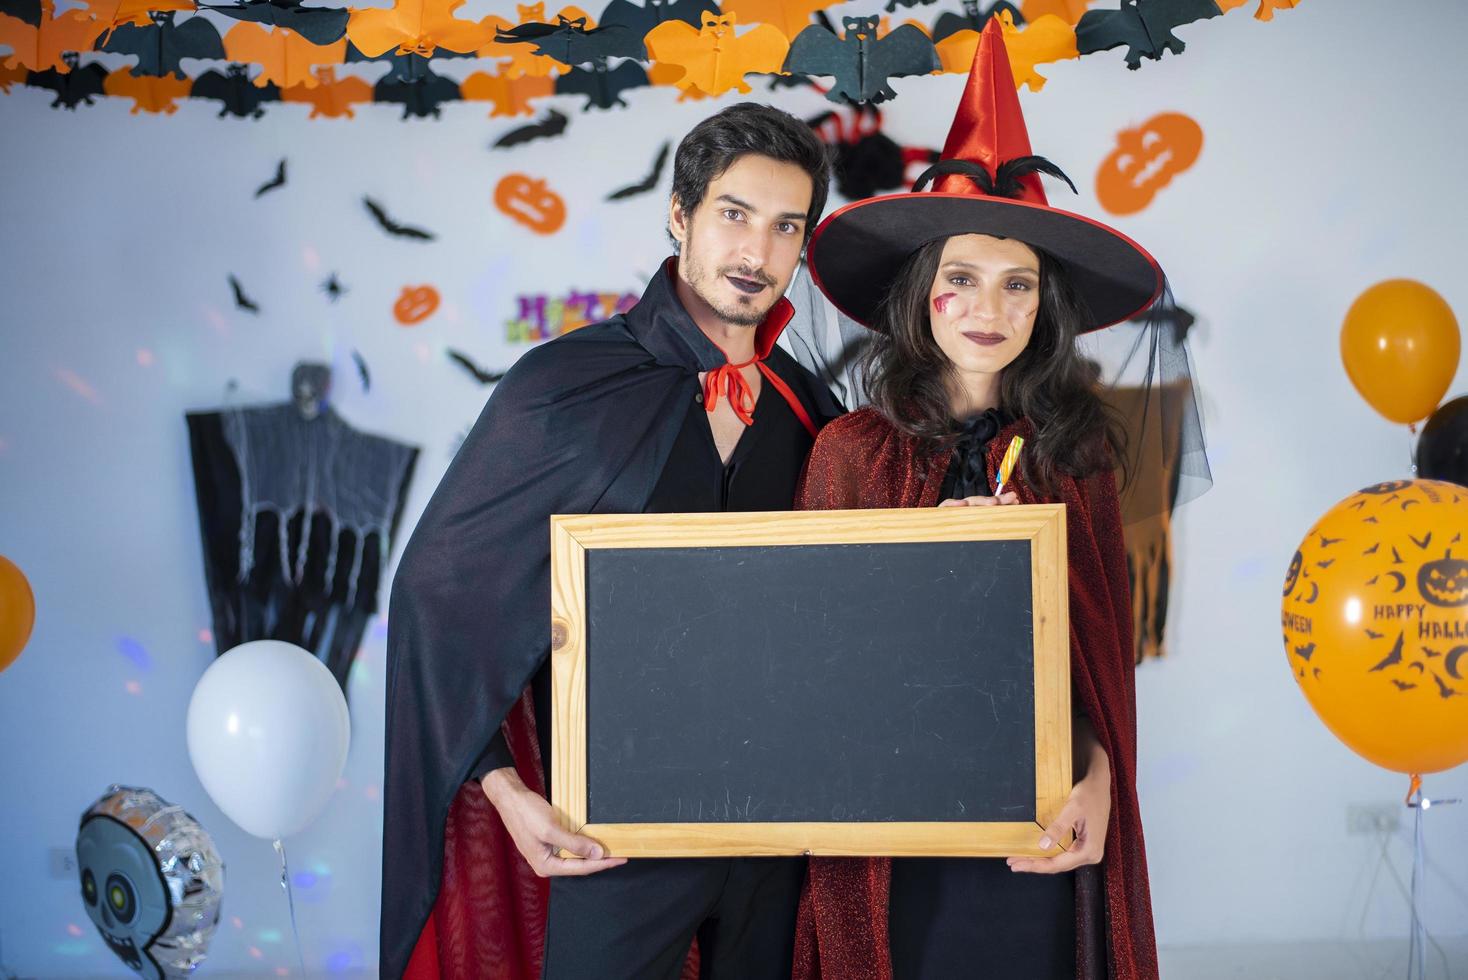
x: 856, y: 252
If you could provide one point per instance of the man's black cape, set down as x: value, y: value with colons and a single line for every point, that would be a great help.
x: 583, y: 424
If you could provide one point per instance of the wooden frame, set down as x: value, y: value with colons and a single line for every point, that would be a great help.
x: 1043, y: 525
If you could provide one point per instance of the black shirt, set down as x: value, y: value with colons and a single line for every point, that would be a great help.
x: 761, y: 475
x: 967, y: 475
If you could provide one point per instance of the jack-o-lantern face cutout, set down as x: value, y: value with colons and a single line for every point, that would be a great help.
x: 1293, y: 575
x: 531, y: 202
x: 1145, y: 161
x: 1444, y: 582
x: 1390, y: 486
x: 415, y: 305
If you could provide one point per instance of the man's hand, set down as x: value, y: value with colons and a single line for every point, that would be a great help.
x: 537, y: 832
x: 1008, y: 497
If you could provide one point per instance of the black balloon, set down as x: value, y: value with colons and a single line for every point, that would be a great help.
x: 1442, y: 449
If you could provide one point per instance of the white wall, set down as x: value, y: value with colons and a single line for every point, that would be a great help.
x: 1334, y: 141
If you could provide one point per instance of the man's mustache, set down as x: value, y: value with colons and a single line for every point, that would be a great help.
x: 754, y: 275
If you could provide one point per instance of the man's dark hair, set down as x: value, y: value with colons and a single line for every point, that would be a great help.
x: 712, y: 147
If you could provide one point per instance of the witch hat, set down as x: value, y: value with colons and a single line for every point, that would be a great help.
x: 986, y: 182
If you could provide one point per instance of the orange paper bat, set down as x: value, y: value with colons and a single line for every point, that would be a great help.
x: 40, y: 48
x: 115, y: 13
x: 329, y: 97
x: 286, y: 57
x: 149, y: 93
x: 1069, y: 11
x: 1266, y: 7
x: 12, y: 76
x: 415, y: 27
x: 1046, y: 39
x: 789, y: 17
x: 511, y: 96
x: 715, y: 60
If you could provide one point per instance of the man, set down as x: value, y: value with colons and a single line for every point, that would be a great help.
x: 682, y: 404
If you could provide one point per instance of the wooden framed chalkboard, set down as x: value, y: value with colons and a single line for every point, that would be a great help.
x: 874, y: 682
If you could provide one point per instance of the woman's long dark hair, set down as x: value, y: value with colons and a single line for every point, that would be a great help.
x: 908, y: 377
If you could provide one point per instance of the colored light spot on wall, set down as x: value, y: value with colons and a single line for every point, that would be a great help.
x: 206, y: 636
x: 72, y: 929
x: 78, y: 384
x: 134, y: 651
x: 133, y: 687
x: 145, y: 357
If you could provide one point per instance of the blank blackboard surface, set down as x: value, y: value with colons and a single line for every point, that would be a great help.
x: 849, y: 682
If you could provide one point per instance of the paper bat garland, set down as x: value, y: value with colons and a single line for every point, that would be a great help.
x: 641, y: 19
x: 602, y: 87
x: 405, y: 67
x: 575, y: 42
x: 1144, y: 27
x: 860, y: 63
x: 510, y: 96
x: 73, y: 87
x: 319, y: 25
x: 238, y: 96
x: 284, y: 57
x: 415, y: 27
x: 420, y: 97
x: 40, y: 47
x: 1046, y: 39
x: 714, y: 58
x: 327, y: 96
x: 163, y: 44
x: 150, y: 93
x: 789, y: 17
x: 972, y: 19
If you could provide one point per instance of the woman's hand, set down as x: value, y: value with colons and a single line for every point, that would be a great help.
x: 1010, y: 497
x: 1086, y: 813
x: 537, y: 832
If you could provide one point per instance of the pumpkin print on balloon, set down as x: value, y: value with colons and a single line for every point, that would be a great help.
x: 1145, y: 161
x: 1375, y: 620
x: 531, y: 202
x: 415, y: 304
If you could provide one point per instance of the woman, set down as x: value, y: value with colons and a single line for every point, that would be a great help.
x: 974, y: 344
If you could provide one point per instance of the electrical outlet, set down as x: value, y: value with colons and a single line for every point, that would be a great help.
x: 63, y: 863
x: 1373, y: 818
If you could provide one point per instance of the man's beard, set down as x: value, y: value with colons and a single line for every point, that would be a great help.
x: 735, y: 313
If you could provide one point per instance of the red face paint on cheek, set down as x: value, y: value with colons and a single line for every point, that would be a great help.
x: 941, y: 301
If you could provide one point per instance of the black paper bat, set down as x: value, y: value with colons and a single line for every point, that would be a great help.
x: 277, y: 181
x: 640, y: 20
x: 240, y: 299
x: 420, y: 97
x: 362, y: 371
x: 163, y: 44
x: 319, y: 25
x: 859, y: 63
x: 971, y: 19
x: 74, y: 87
x: 649, y: 182
x: 26, y: 11
x: 238, y: 97
x: 392, y: 227
x: 570, y: 43
x: 892, y: 5
x: 1144, y: 26
x: 482, y: 376
x: 554, y: 124
x: 602, y: 88
x: 405, y: 67
x: 333, y: 288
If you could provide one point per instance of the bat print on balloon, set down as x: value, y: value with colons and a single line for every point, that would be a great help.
x: 1378, y: 593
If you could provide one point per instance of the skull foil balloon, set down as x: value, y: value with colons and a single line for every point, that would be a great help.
x: 151, y: 880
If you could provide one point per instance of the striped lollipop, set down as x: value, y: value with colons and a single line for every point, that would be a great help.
x: 1006, y: 465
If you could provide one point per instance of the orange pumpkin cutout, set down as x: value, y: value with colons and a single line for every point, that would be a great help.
x: 531, y: 202
x: 415, y: 305
x: 1145, y: 161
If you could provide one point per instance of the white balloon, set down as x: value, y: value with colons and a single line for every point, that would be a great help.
x: 268, y: 734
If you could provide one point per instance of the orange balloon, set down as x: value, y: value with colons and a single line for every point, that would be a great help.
x: 1375, y: 617
x: 1400, y: 344
x: 17, y: 612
